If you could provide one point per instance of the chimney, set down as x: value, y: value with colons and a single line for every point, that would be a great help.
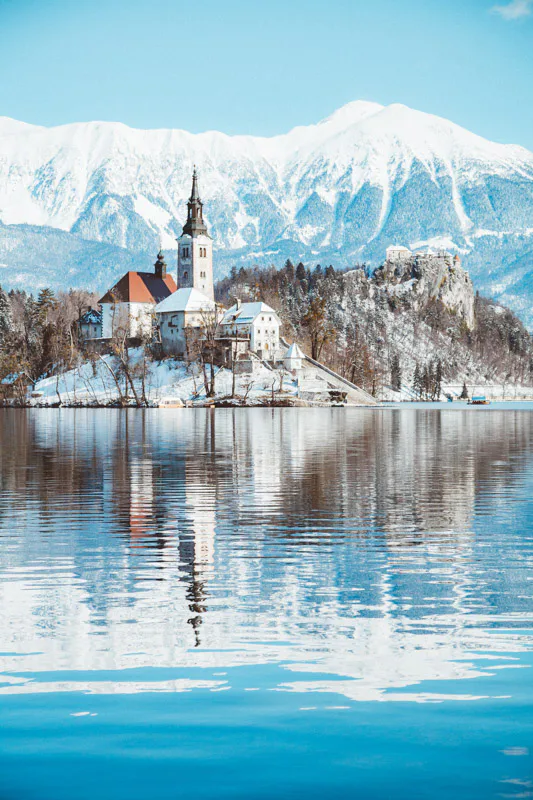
x: 238, y: 303
x: 160, y: 266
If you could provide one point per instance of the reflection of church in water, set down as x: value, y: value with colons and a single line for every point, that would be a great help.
x: 205, y: 542
x: 205, y: 500
x: 184, y: 524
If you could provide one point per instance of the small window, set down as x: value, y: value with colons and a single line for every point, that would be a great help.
x: 185, y: 276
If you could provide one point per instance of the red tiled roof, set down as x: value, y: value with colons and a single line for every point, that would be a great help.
x: 140, y: 287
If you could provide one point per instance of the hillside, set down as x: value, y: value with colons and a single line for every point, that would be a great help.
x: 379, y: 330
x: 336, y: 192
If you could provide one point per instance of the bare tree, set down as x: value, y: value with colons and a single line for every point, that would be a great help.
x: 209, y: 334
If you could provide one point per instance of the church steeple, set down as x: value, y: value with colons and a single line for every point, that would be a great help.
x: 195, y: 247
x: 160, y: 265
x: 195, y: 225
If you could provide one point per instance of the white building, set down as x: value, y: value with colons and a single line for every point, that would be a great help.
x: 294, y: 358
x: 90, y: 325
x: 128, y: 308
x: 397, y: 252
x: 181, y: 312
x: 195, y: 248
x: 258, y: 323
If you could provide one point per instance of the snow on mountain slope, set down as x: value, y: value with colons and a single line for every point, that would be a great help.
x: 336, y: 192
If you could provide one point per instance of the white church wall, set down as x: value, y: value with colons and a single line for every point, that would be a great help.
x: 135, y: 318
x: 172, y: 332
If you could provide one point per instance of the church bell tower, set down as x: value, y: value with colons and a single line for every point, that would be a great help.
x: 195, y: 248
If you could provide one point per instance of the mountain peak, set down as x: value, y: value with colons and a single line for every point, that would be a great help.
x: 338, y: 191
x: 352, y: 113
x: 9, y: 126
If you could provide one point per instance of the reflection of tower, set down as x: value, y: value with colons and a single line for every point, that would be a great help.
x: 197, y: 543
x: 196, y: 551
x: 141, y: 496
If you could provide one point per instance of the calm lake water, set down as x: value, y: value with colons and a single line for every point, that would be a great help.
x: 266, y: 603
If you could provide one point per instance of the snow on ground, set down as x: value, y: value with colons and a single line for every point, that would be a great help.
x: 171, y: 379
x: 165, y: 380
x: 492, y: 391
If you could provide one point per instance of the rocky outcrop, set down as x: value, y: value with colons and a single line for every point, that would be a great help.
x: 426, y: 277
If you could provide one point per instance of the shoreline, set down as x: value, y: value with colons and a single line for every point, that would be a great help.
x: 436, y: 405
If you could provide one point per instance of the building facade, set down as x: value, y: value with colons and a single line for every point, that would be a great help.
x: 398, y: 253
x: 90, y: 325
x: 258, y: 323
x: 129, y: 307
x: 195, y: 248
x: 182, y: 316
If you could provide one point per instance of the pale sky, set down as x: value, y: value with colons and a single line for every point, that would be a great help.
x: 264, y: 67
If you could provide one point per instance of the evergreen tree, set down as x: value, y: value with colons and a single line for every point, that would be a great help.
x: 417, y: 382
x: 396, y: 373
x: 289, y: 270
x: 45, y: 302
x: 438, y: 379
x: 301, y: 274
x: 464, y: 393
x: 424, y: 382
x: 6, y: 319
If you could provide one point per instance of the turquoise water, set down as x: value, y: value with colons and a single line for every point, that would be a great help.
x: 260, y: 603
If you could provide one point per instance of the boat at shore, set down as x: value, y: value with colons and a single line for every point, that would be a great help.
x: 480, y: 400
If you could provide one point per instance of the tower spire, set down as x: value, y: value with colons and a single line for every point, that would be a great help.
x: 195, y: 225
x: 194, y: 191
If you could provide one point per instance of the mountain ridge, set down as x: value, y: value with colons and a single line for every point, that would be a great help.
x: 338, y: 191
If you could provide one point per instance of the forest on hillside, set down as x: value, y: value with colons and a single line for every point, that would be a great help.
x: 351, y: 321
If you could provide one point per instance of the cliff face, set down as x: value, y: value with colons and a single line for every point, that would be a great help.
x: 424, y: 278
x: 411, y: 312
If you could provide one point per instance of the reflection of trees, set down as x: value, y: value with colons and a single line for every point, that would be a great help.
x: 273, y: 476
x: 218, y: 527
x: 391, y: 470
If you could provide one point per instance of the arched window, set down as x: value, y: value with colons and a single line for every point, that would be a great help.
x: 185, y: 276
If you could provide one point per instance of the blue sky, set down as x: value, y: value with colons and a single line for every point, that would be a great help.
x: 263, y: 67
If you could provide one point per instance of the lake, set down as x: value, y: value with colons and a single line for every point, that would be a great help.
x: 266, y: 603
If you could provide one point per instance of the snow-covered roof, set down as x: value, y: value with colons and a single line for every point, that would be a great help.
x: 246, y: 313
x: 185, y: 300
x: 294, y: 351
x: 91, y: 317
x: 398, y: 247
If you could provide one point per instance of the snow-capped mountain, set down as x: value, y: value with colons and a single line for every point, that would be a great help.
x: 336, y: 192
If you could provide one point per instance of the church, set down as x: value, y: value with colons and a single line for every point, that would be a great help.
x: 142, y: 302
